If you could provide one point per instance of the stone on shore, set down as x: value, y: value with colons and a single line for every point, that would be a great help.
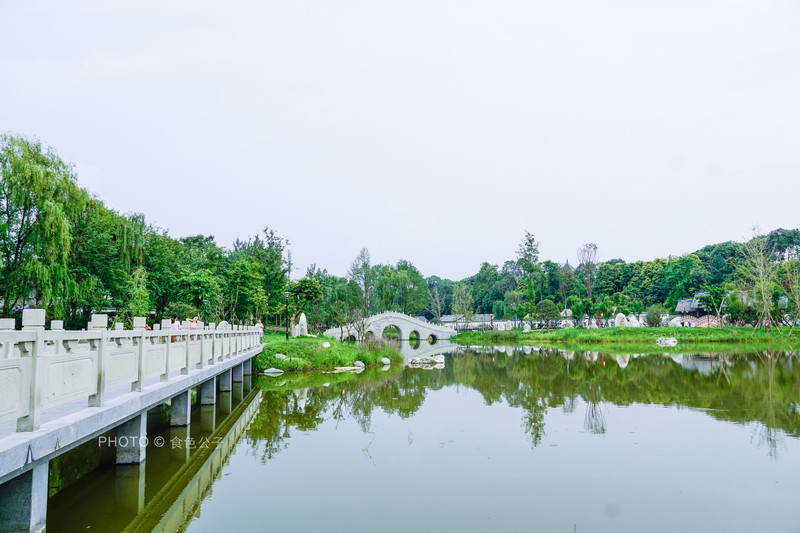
x: 427, y: 360
x: 274, y: 372
x: 667, y: 341
x: 280, y: 356
x: 385, y: 361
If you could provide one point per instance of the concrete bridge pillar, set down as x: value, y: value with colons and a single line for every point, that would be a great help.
x: 24, y: 501
x: 225, y: 400
x: 208, y: 392
x: 248, y: 367
x: 132, y: 440
x: 238, y: 372
x: 208, y: 407
x: 225, y: 381
x: 180, y: 412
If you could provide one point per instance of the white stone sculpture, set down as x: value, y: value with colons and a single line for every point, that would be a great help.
x: 620, y: 320
x: 301, y: 329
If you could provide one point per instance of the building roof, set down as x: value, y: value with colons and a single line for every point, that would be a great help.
x: 691, y: 305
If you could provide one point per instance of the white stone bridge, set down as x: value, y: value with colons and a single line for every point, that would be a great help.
x: 59, y: 389
x: 406, y: 325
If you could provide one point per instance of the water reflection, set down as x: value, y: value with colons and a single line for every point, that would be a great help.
x: 760, y: 388
x: 163, y: 492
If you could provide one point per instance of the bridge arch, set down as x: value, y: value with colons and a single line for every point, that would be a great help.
x: 405, y: 325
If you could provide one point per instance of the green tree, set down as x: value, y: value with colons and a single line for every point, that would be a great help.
x: 303, y: 292
x: 463, y: 303
x: 547, y: 312
x: 528, y: 261
x: 759, y: 271
x: 39, y: 203
x: 587, y: 257
x: 653, y: 315
x: 412, y: 293
x: 499, y: 310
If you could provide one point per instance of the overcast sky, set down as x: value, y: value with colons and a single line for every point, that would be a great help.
x: 433, y: 131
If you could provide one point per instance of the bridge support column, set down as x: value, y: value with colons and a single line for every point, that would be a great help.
x: 247, y: 367
x: 238, y: 372
x: 180, y: 412
x: 208, y: 392
x: 208, y: 407
x: 132, y: 440
x: 225, y: 381
x: 129, y: 486
x: 238, y: 391
x: 24, y: 498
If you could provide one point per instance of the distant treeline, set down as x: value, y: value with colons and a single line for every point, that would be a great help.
x: 63, y: 249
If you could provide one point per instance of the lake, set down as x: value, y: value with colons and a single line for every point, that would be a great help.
x: 499, y: 439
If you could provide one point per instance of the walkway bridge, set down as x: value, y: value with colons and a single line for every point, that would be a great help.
x: 65, y: 388
x: 406, y: 325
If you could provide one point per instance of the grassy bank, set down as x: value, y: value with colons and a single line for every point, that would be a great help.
x: 636, y: 338
x: 307, y: 353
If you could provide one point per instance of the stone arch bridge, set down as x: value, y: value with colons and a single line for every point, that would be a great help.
x: 406, y: 325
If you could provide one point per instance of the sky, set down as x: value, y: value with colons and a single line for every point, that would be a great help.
x: 432, y: 131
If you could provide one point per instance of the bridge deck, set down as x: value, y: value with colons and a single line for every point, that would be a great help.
x: 65, y: 428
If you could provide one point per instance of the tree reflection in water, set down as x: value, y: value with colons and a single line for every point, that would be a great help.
x: 760, y: 389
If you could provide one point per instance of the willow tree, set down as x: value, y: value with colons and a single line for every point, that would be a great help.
x: 39, y: 202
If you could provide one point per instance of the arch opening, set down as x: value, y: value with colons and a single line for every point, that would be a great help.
x: 414, y: 339
x: 391, y: 332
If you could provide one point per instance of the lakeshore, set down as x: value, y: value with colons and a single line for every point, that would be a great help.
x: 311, y: 354
x: 635, y: 340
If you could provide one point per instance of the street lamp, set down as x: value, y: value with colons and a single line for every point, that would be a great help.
x: 286, y: 294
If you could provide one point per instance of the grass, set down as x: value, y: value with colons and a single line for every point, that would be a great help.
x: 307, y: 353
x: 732, y: 339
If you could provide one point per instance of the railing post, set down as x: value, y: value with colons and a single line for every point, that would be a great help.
x: 167, y: 325
x: 57, y: 325
x: 6, y: 324
x: 33, y: 320
x: 99, y: 322
x: 202, y: 338
x: 139, y: 324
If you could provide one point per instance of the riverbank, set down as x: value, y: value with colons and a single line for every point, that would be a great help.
x: 643, y: 339
x: 308, y: 353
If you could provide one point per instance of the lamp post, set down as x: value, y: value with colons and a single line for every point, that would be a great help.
x: 286, y: 294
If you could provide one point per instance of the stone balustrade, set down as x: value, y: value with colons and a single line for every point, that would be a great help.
x: 41, y: 369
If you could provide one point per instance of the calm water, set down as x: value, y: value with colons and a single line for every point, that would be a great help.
x: 500, y: 439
